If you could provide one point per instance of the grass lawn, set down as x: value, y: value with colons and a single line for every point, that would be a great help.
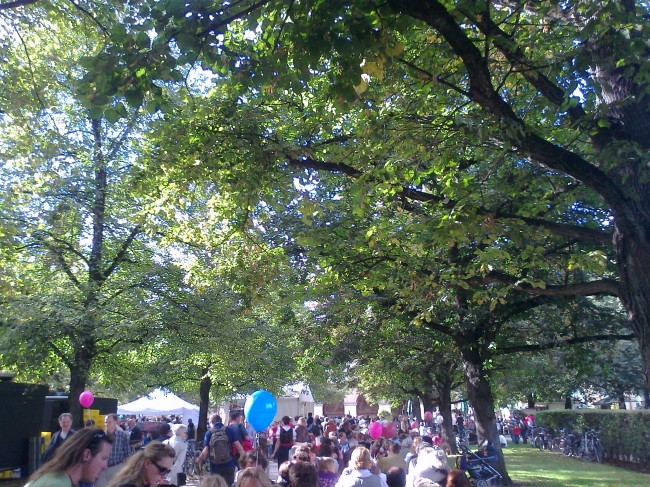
x: 530, y: 467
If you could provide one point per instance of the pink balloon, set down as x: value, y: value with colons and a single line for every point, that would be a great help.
x: 428, y: 416
x: 376, y: 430
x: 415, y: 425
x: 86, y: 399
x: 389, y: 430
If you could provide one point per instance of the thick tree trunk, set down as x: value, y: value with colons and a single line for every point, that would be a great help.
x: 78, y: 378
x: 429, y: 403
x: 448, y: 440
x: 633, y: 257
x: 480, y: 397
x: 416, y: 409
x: 567, y: 402
x: 204, y: 405
x: 621, y: 401
x: 531, y: 400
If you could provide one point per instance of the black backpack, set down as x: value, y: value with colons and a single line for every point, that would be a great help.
x: 220, y: 446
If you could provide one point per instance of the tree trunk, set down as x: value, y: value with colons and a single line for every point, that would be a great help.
x: 204, y: 392
x: 567, y: 402
x: 531, y: 400
x: 416, y: 409
x: 429, y: 403
x: 480, y: 397
x: 621, y: 401
x: 78, y: 378
x: 633, y: 257
x: 448, y: 439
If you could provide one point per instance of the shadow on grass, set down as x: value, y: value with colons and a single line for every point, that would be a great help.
x: 529, y: 467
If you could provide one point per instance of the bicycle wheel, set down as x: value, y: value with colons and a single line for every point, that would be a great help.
x: 555, y: 446
x: 539, y: 443
x: 586, y: 455
x: 598, y: 450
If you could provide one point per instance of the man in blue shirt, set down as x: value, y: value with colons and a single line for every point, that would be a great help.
x: 226, y: 469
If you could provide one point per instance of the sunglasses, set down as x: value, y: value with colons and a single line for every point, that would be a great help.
x: 97, y: 436
x: 163, y: 471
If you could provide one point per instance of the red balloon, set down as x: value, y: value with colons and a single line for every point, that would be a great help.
x: 389, y: 430
x: 415, y: 425
x: 428, y: 416
x: 376, y: 430
x: 86, y: 399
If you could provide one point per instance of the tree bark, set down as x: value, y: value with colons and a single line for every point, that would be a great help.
x: 531, y: 400
x: 567, y: 402
x: 204, y: 405
x: 621, y: 401
x: 480, y: 397
x: 78, y: 378
x: 416, y: 409
x: 448, y: 440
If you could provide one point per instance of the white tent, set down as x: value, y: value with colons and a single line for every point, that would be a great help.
x: 158, y: 403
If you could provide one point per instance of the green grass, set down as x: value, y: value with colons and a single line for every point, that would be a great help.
x: 530, y: 467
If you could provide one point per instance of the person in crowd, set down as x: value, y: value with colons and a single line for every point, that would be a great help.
x: 65, y: 423
x: 164, y: 432
x: 431, y: 464
x: 396, y: 477
x: 213, y: 480
x: 227, y: 468
x: 457, y: 478
x: 331, y: 426
x: 516, y: 431
x: 327, y: 472
x: 317, y: 427
x: 79, y: 461
x: 120, y: 450
x: 273, y: 437
x: 147, y: 468
x: 237, y: 429
x: 254, y: 477
x: 303, y: 474
x: 136, y: 436
x: 413, y: 454
x: 325, y: 451
x: 178, y: 443
x: 302, y: 454
x: 393, y: 459
x: 283, y: 474
x: 302, y: 433
x: 89, y: 423
x: 310, y: 420
x: 359, y: 474
x: 285, y: 441
x: 191, y: 429
x: 251, y: 459
x: 148, y: 438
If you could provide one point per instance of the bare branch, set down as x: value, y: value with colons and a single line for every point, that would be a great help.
x: 562, y: 343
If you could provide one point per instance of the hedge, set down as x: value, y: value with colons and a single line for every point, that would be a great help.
x: 625, y: 435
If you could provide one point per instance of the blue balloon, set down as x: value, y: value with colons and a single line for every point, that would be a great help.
x: 260, y: 409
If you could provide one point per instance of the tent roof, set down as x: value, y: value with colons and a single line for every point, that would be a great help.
x: 158, y: 402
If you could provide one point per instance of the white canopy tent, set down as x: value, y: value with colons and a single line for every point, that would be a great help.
x: 158, y: 403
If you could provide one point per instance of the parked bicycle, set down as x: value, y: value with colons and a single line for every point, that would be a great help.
x: 590, y: 447
x: 543, y: 439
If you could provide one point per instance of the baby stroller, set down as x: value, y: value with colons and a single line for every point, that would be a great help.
x: 479, y: 465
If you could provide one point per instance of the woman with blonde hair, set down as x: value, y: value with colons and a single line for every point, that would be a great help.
x: 214, y: 480
x: 413, y: 454
x: 254, y: 477
x: 148, y: 467
x: 302, y: 433
x: 359, y: 474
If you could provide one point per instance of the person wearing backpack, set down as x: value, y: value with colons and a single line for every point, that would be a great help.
x: 218, y: 447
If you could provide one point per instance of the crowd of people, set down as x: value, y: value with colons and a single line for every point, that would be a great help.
x: 310, y: 452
